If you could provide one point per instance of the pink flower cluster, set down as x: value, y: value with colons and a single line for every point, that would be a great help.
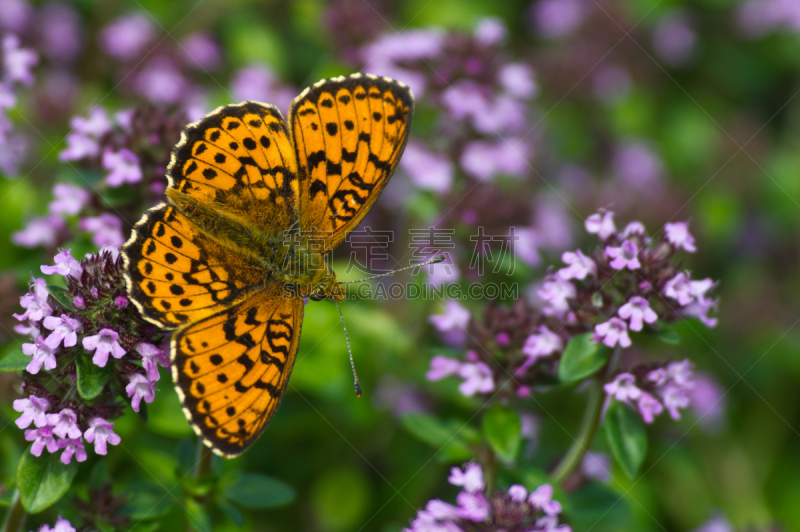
x: 63, y: 425
x: 655, y: 390
x: 515, y: 509
x: 61, y: 525
x: 56, y: 332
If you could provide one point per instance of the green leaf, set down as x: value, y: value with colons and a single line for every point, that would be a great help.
x: 598, y: 508
x: 14, y: 360
x: 231, y: 511
x: 451, y: 438
x: 582, y: 357
x: 665, y: 332
x: 197, y: 515
x: 254, y: 490
x: 626, y: 436
x: 502, y: 428
x: 147, y: 501
x: 59, y: 293
x: 43, y: 480
x: 91, y: 377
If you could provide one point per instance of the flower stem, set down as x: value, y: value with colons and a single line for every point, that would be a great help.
x: 15, y: 517
x: 204, y: 459
x: 589, y: 424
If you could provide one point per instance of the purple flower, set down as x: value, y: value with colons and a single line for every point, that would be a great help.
x: 107, y: 230
x: 152, y: 356
x: 674, y: 39
x: 470, y: 478
x: 517, y: 493
x: 680, y: 289
x: 633, y: 228
x: 70, y: 199
x: 79, y: 146
x: 64, y: 329
x: 62, y: 39
x: 161, y: 82
x: 427, y: 170
x: 622, y: 388
x: 637, y: 164
x: 72, y: 447
x: 35, y: 302
x: 638, y: 310
x: 613, y: 332
x: 95, y: 125
x: 453, y: 323
x: 554, y: 19
x: 126, y: 37
x: 542, y: 498
x: 526, y: 245
x: 104, y: 343
x: 39, y: 232
x: 625, y: 256
x: 596, y: 466
x: 441, y: 510
x: 201, y: 51
x: 490, y: 31
x: 15, y: 15
x: 518, y: 80
x: 678, y: 235
x: 601, y: 224
x: 675, y: 398
x: 65, y: 424
x: 259, y: 83
x: 61, y: 525
x: 140, y: 388
x: 579, y: 266
x: 541, y: 344
x: 473, y: 506
x: 716, y: 524
x: 478, y: 378
x: 33, y: 410
x: 101, y: 433
x: 17, y: 62
x: 41, y: 438
x: 123, y: 165
x: 681, y: 373
x: 555, y: 292
x: 649, y: 407
x: 707, y: 399
x: 441, y: 367
x: 41, y: 354
x: 65, y: 265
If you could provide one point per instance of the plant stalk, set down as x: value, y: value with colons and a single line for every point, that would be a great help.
x: 16, y: 515
x: 204, y: 459
x: 591, y: 420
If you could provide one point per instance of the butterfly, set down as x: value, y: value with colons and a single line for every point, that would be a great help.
x: 255, y: 205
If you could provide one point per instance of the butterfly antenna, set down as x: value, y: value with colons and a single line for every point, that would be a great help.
x: 349, y: 351
x: 434, y: 260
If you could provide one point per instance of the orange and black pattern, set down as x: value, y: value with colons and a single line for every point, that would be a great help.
x: 211, y: 264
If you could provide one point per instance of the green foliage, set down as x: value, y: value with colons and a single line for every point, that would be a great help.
x: 43, y: 480
x: 501, y: 426
x: 91, y: 378
x: 14, y: 359
x: 626, y: 436
x: 582, y: 357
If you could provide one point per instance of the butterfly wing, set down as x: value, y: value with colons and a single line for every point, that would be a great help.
x: 177, y: 275
x: 240, y: 160
x: 231, y: 369
x: 349, y: 133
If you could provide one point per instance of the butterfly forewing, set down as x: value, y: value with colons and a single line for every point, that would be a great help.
x: 349, y: 134
x: 241, y: 160
x: 232, y: 368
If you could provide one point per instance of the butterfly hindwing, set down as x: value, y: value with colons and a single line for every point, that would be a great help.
x: 240, y: 159
x: 178, y: 275
x: 349, y: 133
x: 232, y: 368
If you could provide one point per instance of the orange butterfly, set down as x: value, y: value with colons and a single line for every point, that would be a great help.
x: 254, y: 208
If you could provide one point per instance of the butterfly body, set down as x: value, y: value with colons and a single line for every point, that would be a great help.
x: 255, y: 207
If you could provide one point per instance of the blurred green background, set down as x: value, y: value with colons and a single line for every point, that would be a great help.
x: 724, y: 128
